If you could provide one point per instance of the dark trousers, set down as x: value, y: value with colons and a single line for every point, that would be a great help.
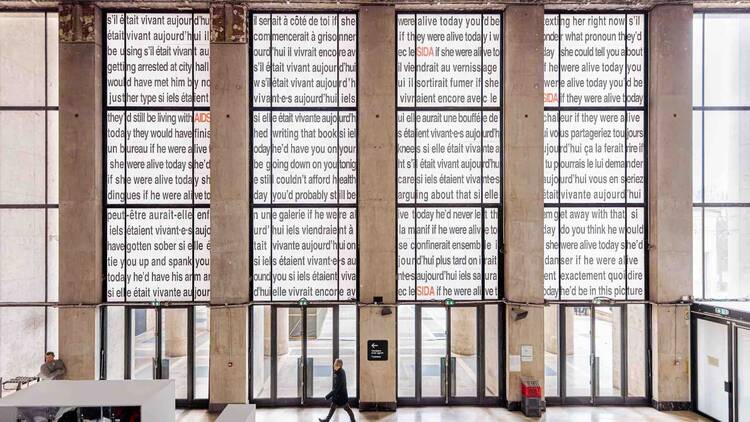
x: 346, y: 408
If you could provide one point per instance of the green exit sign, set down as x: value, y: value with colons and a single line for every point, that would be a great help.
x: 303, y: 302
x: 721, y: 311
x: 449, y: 302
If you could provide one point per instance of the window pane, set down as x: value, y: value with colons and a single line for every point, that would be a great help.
x: 727, y: 156
x: 636, y: 350
x: 697, y: 58
x: 261, y: 352
x: 22, y: 255
x: 22, y: 151
x: 406, y: 351
x: 348, y: 345
x: 22, y: 355
x: 202, y: 348
x: 697, y: 156
x: 115, y: 342
x: 53, y: 254
x: 727, y: 245
x: 727, y: 59
x: 492, y: 352
x: 22, y: 44
x: 698, y: 253
x: 551, y: 350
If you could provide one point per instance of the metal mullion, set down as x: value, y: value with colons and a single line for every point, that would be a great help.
x: 561, y: 354
x: 168, y: 108
x: 418, y: 353
x: 250, y: 28
x: 593, y: 374
x: 159, y: 339
x: 190, y: 353
x: 304, y: 109
x: 481, y: 144
x: 594, y: 108
x: 192, y: 138
x: 338, y: 160
x: 303, y: 395
x: 125, y: 155
x: 416, y: 200
x: 626, y: 155
x: 624, y: 351
x: 270, y: 159
x: 481, y: 355
x: 703, y: 154
x: 336, y: 331
x: 46, y: 180
x: 165, y: 206
x: 274, y: 351
x: 128, y: 346
x: 448, y: 367
x: 559, y: 157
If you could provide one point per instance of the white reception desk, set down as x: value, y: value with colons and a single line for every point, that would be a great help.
x: 155, y: 398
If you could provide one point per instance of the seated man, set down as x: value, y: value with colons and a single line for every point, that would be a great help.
x: 52, y: 368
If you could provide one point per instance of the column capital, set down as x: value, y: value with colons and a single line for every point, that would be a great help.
x: 228, y: 23
x: 79, y: 22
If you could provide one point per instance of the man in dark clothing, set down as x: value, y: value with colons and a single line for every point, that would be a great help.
x: 52, y: 368
x: 338, y: 396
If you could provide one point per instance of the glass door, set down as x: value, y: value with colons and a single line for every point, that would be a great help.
x: 293, y: 349
x: 440, y: 359
x: 597, y: 342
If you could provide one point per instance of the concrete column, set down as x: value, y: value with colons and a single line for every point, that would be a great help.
x: 80, y: 137
x: 523, y: 205
x: 230, y: 214
x: 670, y: 199
x: 377, y: 201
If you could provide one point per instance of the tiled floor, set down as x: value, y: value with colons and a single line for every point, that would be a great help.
x: 462, y: 414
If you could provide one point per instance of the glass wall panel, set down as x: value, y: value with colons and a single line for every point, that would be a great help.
x: 157, y: 160
x: 289, y: 352
x: 143, y: 337
x: 348, y: 345
x: 448, y: 156
x: 202, y: 348
x: 22, y: 355
x: 464, y: 350
x: 492, y: 352
x: 115, y: 342
x: 174, y: 349
x: 406, y: 351
x: 595, y: 156
x: 434, y: 343
x: 721, y: 151
x: 578, y: 351
x: 261, y: 351
x: 304, y: 152
x: 636, y: 338
x: 551, y: 350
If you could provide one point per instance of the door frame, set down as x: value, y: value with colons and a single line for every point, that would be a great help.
x: 303, y: 401
x: 593, y: 400
x: 446, y: 400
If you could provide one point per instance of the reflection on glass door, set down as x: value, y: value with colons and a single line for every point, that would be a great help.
x: 607, y: 363
x: 319, y: 344
x: 288, y: 352
x: 578, y: 351
x: 143, y: 334
x: 434, y: 337
x: 174, y: 349
x: 463, y: 353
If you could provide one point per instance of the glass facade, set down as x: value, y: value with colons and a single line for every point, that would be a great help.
x: 595, y: 156
x: 29, y: 236
x: 449, y: 141
x: 721, y: 156
x: 303, y: 104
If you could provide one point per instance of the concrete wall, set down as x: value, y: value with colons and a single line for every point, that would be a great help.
x: 523, y: 205
x: 670, y: 199
x: 377, y: 200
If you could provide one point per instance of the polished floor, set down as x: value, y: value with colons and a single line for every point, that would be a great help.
x: 462, y: 414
